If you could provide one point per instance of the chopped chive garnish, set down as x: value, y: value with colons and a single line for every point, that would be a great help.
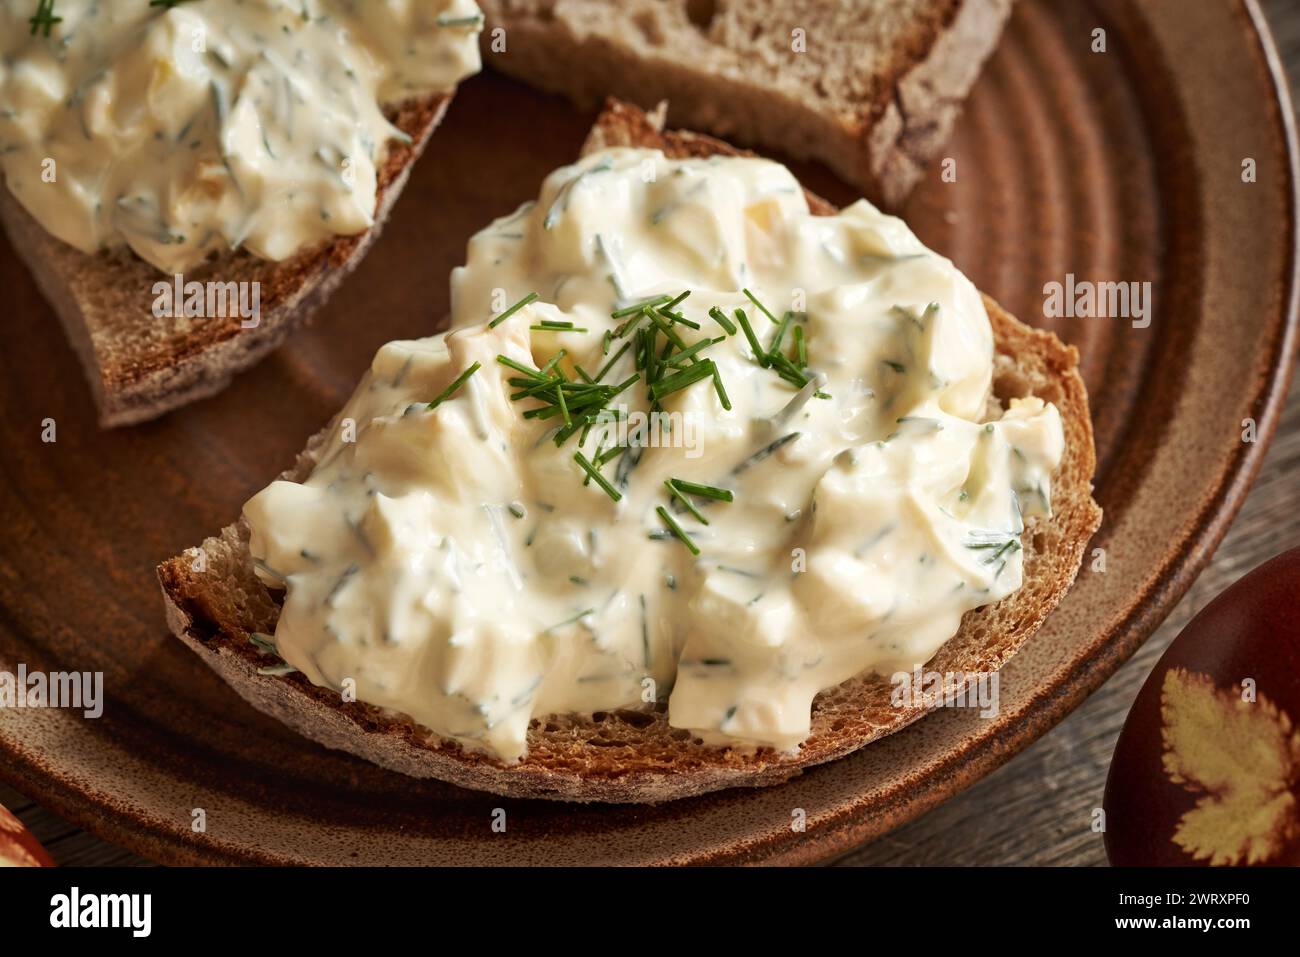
x: 674, y: 302
x: 787, y: 370
x: 800, y: 347
x: 762, y: 308
x: 622, y: 386
x: 629, y: 325
x: 629, y: 310
x: 609, y: 454
x: 679, y: 319
x: 647, y: 354
x: 549, y: 326
x: 566, y: 432
x: 610, y: 364
x: 720, y: 317
x: 595, y: 459
x: 596, y: 477
x: 779, y: 336
x: 45, y: 18
x: 719, y: 388
x: 520, y: 367
x: 680, y: 357
x: 512, y: 310
x: 605, y: 340
x: 690, y: 506
x: 553, y: 361
x: 680, y: 380
x: 796, y: 377
x: 663, y: 326
x: 759, y: 355
x: 579, y: 402
x: 677, y: 530
x: 564, y: 407
x: 459, y: 381
x: 542, y: 385
x: 704, y: 491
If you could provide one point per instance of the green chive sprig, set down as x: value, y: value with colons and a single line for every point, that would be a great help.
x: 720, y: 317
x: 44, y: 18
x: 677, y: 530
x: 762, y: 308
x: 532, y: 296
x: 703, y: 491
x: 676, y: 493
x: 557, y: 325
x: 596, y: 477
x: 459, y: 381
x: 637, y: 307
x: 680, y: 380
x: 760, y: 356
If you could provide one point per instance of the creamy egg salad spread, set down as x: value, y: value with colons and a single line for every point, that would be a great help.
x: 488, y: 538
x: 192, y: 128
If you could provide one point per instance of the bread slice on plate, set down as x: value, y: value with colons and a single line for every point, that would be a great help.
x: 140, y: 365
x: 634, y: 756
x: 869, y: 87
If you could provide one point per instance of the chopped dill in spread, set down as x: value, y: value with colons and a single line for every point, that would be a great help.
x: 280, y: 121
x: 699, y: 531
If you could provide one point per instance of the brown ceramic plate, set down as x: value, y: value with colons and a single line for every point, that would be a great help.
x: 1123, y: 165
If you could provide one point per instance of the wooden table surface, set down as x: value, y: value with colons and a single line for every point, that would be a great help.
x: 1036, y: 809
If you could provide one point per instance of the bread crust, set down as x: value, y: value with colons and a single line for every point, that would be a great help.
x: 140, y: 366
x: 882, y: 143
x: 634, y: 756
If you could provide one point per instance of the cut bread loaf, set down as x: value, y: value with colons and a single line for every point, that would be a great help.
x: 869, y: 87
x: 634, y: 756
x: 140, y: 365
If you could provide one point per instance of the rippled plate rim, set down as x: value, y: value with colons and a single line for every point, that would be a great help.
x: 845, y: 829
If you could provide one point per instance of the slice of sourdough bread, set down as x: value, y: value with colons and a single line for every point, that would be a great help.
x: 869, y: 87
x: 140, y: 365
x: 634, y: 756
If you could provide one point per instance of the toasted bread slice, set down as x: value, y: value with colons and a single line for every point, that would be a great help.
x: 869, y: 87
x: 141, y: 366
x: 634, y: 756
